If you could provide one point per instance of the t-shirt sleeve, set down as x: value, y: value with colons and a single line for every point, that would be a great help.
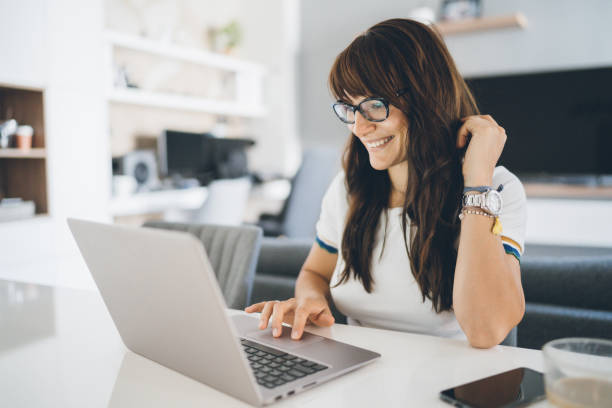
x: 329, y: 226
x: 514, y: 212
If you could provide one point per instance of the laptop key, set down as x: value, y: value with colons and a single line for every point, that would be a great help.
x: 275, y: 373
x: 269, y: 378
x: 256, y: 366
x: 273, y: 364
x: 279, y: 382
x: 260, y: 353
x: 260, y: 374
x: 308, y: 363
x: 289, y: 357
x: 287, y: 377
x: 318, y: 367
x: 279, y: 360
x: 303, y: 369
x: 264, y: 361
x: 284, y: 368
x: 253, y: 357
x: 266, y: 349
x: 269, y: 385
x: 289, y: 364
x: 296, y: 373
x: 266, y: 369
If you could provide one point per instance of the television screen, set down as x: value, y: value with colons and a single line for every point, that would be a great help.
x: 185, y: 154
x: 558, y: 123
x: 202, y: 156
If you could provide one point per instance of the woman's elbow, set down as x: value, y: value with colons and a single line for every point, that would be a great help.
x: 491, y: 336
x: 484, y: 339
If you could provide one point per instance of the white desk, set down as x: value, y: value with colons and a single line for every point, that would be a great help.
x: 59, y: 348
x: 158, y: 201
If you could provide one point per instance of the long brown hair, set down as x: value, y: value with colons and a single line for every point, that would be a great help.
x: 401, y: 54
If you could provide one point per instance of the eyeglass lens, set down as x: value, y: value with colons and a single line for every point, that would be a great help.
x: 373, y: 110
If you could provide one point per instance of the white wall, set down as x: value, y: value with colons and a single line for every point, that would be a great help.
x: 56, y: 44
x: 561, y: 34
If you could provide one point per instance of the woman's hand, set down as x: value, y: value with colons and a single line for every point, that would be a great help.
x: 296, y: 312
x: 485, y: 146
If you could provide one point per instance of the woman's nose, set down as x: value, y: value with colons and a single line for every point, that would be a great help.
x: 362, y: 126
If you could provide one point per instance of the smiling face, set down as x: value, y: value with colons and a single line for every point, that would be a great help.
x: 385, y: 141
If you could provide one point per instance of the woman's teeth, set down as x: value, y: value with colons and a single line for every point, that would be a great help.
x: 380, y: 142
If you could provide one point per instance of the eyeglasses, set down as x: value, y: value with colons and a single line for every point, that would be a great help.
x: 373, y: 109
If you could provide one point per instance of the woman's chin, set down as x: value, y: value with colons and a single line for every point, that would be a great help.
x: 378, y: 164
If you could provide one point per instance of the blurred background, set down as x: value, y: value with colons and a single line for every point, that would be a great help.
x: 204, y: 111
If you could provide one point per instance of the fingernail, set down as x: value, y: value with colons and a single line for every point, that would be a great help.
x: 275, y: 333
x: 295, y: 334
x: 261, y: 325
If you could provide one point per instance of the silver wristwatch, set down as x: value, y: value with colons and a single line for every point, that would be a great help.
x: 490, y: 201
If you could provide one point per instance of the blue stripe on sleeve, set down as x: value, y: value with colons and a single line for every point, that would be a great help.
x: 512, y: 251
x: 326, y: 247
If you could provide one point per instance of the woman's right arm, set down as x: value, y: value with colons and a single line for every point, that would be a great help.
x: 310, y: 303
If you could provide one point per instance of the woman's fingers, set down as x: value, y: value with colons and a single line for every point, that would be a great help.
x: 278, y: 312
x: 254, y: 308
x: 265, y: 314
x: 325, y: 318
x: 301, y: 316
x: 462, y: 134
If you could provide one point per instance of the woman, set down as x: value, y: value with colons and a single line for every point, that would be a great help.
x: 412, y: 234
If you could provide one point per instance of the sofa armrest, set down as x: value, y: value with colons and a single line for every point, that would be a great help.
x: 282, y: 256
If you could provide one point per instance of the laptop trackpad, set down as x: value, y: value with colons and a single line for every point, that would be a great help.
x: 284, y: 342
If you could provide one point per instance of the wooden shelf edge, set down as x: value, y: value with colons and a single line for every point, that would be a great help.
x: 517, y: 20
x: 33, y: 153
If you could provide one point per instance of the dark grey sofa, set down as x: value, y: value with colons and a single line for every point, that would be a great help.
x: 568, y: 290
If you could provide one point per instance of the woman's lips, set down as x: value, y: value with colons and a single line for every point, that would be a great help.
x: 378, y: 143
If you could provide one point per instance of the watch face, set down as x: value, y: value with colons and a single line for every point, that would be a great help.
x: 494, y: 202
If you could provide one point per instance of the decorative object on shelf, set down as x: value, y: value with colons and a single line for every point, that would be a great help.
x: 7, y: 130
x: 425, y: 15
x: 140, y: 164
x: 16, y: 209
x: 455, y: 10
x: 23, y: 137
x: 226, y: 38
x: 122, y: 80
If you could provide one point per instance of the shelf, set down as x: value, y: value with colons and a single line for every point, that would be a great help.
x: 33, y: 153
x: 517, y: 20
x: 181, y: 102
x: 193, y: 55
x: 158, y: 201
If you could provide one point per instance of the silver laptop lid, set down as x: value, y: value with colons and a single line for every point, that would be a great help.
x: 162, y: 294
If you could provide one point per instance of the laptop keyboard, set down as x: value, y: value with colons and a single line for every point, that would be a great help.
x: 274, y: 368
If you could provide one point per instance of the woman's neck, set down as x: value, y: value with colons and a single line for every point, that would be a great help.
x: 398, y: 174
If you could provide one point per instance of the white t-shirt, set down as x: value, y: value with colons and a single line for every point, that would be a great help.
x: 395, y: 302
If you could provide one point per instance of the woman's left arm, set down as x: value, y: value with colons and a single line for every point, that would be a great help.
x: 488, y: 298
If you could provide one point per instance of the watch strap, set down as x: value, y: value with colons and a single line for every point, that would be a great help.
x: 482, y: 189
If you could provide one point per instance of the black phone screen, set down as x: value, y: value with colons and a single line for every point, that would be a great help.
x: 512, y: 388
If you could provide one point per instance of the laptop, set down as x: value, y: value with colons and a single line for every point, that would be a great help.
x: 163, y: 296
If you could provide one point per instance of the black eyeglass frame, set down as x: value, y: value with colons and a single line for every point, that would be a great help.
x: 354, y: 108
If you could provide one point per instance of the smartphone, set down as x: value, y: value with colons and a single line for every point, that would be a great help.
x: 513, y: 388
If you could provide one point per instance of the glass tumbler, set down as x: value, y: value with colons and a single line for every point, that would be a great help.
x: 578, y: 372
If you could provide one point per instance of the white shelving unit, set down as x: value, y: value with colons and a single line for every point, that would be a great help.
x: 247, y: 102
x: 182, y: 102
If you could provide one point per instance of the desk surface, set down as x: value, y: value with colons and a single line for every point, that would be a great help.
x: 59, y: 348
